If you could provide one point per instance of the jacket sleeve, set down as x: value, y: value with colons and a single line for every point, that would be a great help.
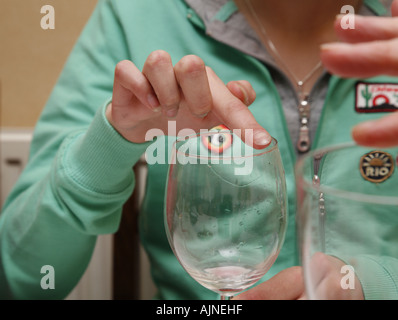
x: 79, y: 173
x: 378, y: 276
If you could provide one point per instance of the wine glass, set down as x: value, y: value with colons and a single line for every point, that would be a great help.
x: 348, y: 222
x: 226, y: 209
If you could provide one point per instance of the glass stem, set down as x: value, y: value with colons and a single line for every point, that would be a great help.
x: 225, y: 297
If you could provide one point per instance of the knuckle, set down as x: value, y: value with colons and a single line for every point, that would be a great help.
x: 121, y: 67
x: 124, y: 71
x: 201, y: 109
x: 157, y: 58
x: 170, y: 102
x: 235, y: 106
x: 190, y: 64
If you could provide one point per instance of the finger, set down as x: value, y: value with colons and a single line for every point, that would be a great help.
x: 323, y: 272
x: 235, y: 114
x: 133, y: 98
x: 380, y: 133
x: 367, y: 29
x: 191, y: 75
x: 361, y: 59
x: 330, y: 287
x: 394, y: 8
x: 130, y: 82
x: 286, y: 285
x: 326, y: 279
x: 158, y: 69
x: 243, y: 90
x: 321, y: 267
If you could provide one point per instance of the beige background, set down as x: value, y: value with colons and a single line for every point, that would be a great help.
x: 31, y: 58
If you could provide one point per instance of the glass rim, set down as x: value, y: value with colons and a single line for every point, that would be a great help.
x: 344, y: 194
x: 269, y: 148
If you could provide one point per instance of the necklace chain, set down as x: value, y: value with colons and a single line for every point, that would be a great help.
x: 304, y: 107
x: 299, y: 83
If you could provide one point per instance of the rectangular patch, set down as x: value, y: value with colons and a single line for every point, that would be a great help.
x: 376, y: 97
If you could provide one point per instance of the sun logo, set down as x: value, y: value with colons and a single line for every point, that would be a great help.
x: 376, y: 166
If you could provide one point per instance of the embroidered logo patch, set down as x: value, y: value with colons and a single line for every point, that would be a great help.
x: 376, y: 166
x: 376, y: 97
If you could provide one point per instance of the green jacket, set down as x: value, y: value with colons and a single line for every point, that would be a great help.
x: 79, y: 173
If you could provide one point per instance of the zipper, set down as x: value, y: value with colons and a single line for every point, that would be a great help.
x: 316, y: 180
x: 322, y: 214
x: 303, y: 142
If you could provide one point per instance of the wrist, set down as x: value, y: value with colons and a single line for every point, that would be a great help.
x: 100, y: 159
x: 132, y: 133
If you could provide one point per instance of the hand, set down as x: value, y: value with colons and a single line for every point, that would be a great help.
x: 327, y: 278
x: 289, y: 284
x: 369, y: 50
x: 286, y: 285
x: 189, y: 93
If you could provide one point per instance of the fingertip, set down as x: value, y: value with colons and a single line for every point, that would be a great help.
x: 235, y: 90
x: 382, y: 132
x: 242, y: 90
x: 332, y: 52
x: 255, y: 138
x: 261, y: 139
x: 238, y: 91
x: 333, y: 46
x: 171, y: 113
x: 344, y: 25
x: 363, y: 134
x: 337, y: 21
x: 153, y: 102
x: 340, y: 59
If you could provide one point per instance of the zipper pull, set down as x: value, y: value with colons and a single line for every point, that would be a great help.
x: 322, y: 213
x: 304, y: 143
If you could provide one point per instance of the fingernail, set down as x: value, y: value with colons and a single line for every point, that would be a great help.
x: 157, y: 109
x: 153, y: 102
x: 327, y: 46
x: 246, y: 100
x: 172, y: 113
x: 203, y: 115
x: 340, y: 16
x: 334, y: 46
x: 262, y: 138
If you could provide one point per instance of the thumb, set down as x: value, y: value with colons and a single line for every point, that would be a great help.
x: 235, y: 115
x: 285, y: 285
